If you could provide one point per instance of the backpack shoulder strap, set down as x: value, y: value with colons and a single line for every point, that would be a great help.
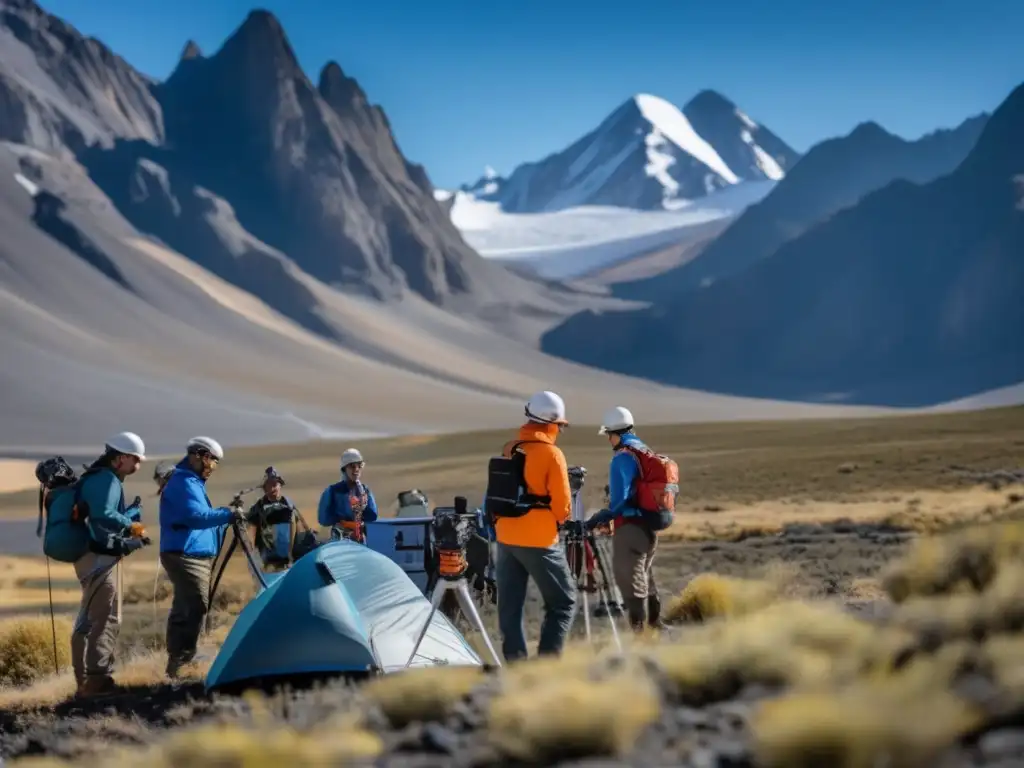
x: 513, y: 446
x: 261, y: 517
x: 531, y: 498
x: 296, y: 514
x: 80, y: 482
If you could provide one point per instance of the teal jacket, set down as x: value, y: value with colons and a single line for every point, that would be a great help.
x: 108, y: 517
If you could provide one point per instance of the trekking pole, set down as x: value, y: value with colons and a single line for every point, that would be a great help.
x: 49, y: 581
x: 156, y: 580
x: 53, y: 621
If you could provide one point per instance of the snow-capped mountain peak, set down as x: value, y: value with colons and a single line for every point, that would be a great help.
x: 668, y: 123
x: 647, y: 154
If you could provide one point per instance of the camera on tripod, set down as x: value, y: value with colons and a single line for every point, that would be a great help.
x: 573, y: 530
x: 450, y: 530
x: 577, y: 476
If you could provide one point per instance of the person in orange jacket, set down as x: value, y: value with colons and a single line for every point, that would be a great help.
x: 528, y: 545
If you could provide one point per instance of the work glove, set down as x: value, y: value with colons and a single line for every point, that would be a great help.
x: 590, y: 523
x: 127, y: 546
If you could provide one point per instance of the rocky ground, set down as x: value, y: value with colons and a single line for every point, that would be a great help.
x: 691, y: 699
x: 710, y: 734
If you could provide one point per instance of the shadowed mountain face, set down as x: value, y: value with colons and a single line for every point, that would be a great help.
x: 314, y: 174
x: 833, y: 175
x: 912, y: 296
x: 60, y: 90
x: 311, y: 174
x: 194, y: 221
x: 738, y: 140
x: 238, y: 161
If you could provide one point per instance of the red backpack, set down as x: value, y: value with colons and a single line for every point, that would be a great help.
x: 656, y: 487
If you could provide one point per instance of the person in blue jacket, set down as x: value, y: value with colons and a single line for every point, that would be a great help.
x: 115, y: 530
x: 347, y: 504
x: 634, y: 544
x: 190, y: 536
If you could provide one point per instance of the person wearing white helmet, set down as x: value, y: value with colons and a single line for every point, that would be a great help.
x: 347, y: 504
x: 641, y: 494
x: 115, y: 531
x: 189, y: 539
x: 527, y: 544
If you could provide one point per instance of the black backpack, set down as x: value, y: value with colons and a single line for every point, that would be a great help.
x: 506, y: 487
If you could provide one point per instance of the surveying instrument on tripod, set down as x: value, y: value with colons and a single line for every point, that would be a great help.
x: 450, y: 531
x: 223, y: 556
x: 579, y: 545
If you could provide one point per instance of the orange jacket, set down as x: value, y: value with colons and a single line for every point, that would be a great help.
x: 545, y: 474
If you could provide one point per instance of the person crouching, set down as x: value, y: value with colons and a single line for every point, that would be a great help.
x: 188, y: 546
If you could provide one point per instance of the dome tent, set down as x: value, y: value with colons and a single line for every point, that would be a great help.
x: 341, y: 609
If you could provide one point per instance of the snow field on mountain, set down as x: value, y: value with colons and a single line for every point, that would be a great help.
x: 567, y: 243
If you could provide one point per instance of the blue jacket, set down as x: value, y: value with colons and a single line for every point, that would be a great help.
x: 622, y: 475
x: 335, y: 505
x: 108, y: 516
x: 189, y: 523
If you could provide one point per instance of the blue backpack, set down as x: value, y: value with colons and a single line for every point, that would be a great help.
x: 66, y: 533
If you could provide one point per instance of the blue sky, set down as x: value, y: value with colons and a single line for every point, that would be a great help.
x: 469, y: 83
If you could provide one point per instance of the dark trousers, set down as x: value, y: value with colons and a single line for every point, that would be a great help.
x: 190, y: 577
x: 550, y: 571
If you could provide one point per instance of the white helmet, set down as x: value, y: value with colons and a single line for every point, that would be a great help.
x: 351, y: 456
x: 547, y: 408
x: 616, y: 419
x: 127, y: 442
x: 205, y: 444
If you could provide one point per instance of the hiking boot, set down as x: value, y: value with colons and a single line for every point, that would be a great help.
x: 97, y: 686
x: 637, y: 613
x: 176, y: 667
x: 613, y: 609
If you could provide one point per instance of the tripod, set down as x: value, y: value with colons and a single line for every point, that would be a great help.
x: 453, y: 579
x: 613, y: 605
x: 577, y: 540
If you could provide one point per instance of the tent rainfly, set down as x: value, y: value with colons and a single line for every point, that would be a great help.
x: 341, y: 609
